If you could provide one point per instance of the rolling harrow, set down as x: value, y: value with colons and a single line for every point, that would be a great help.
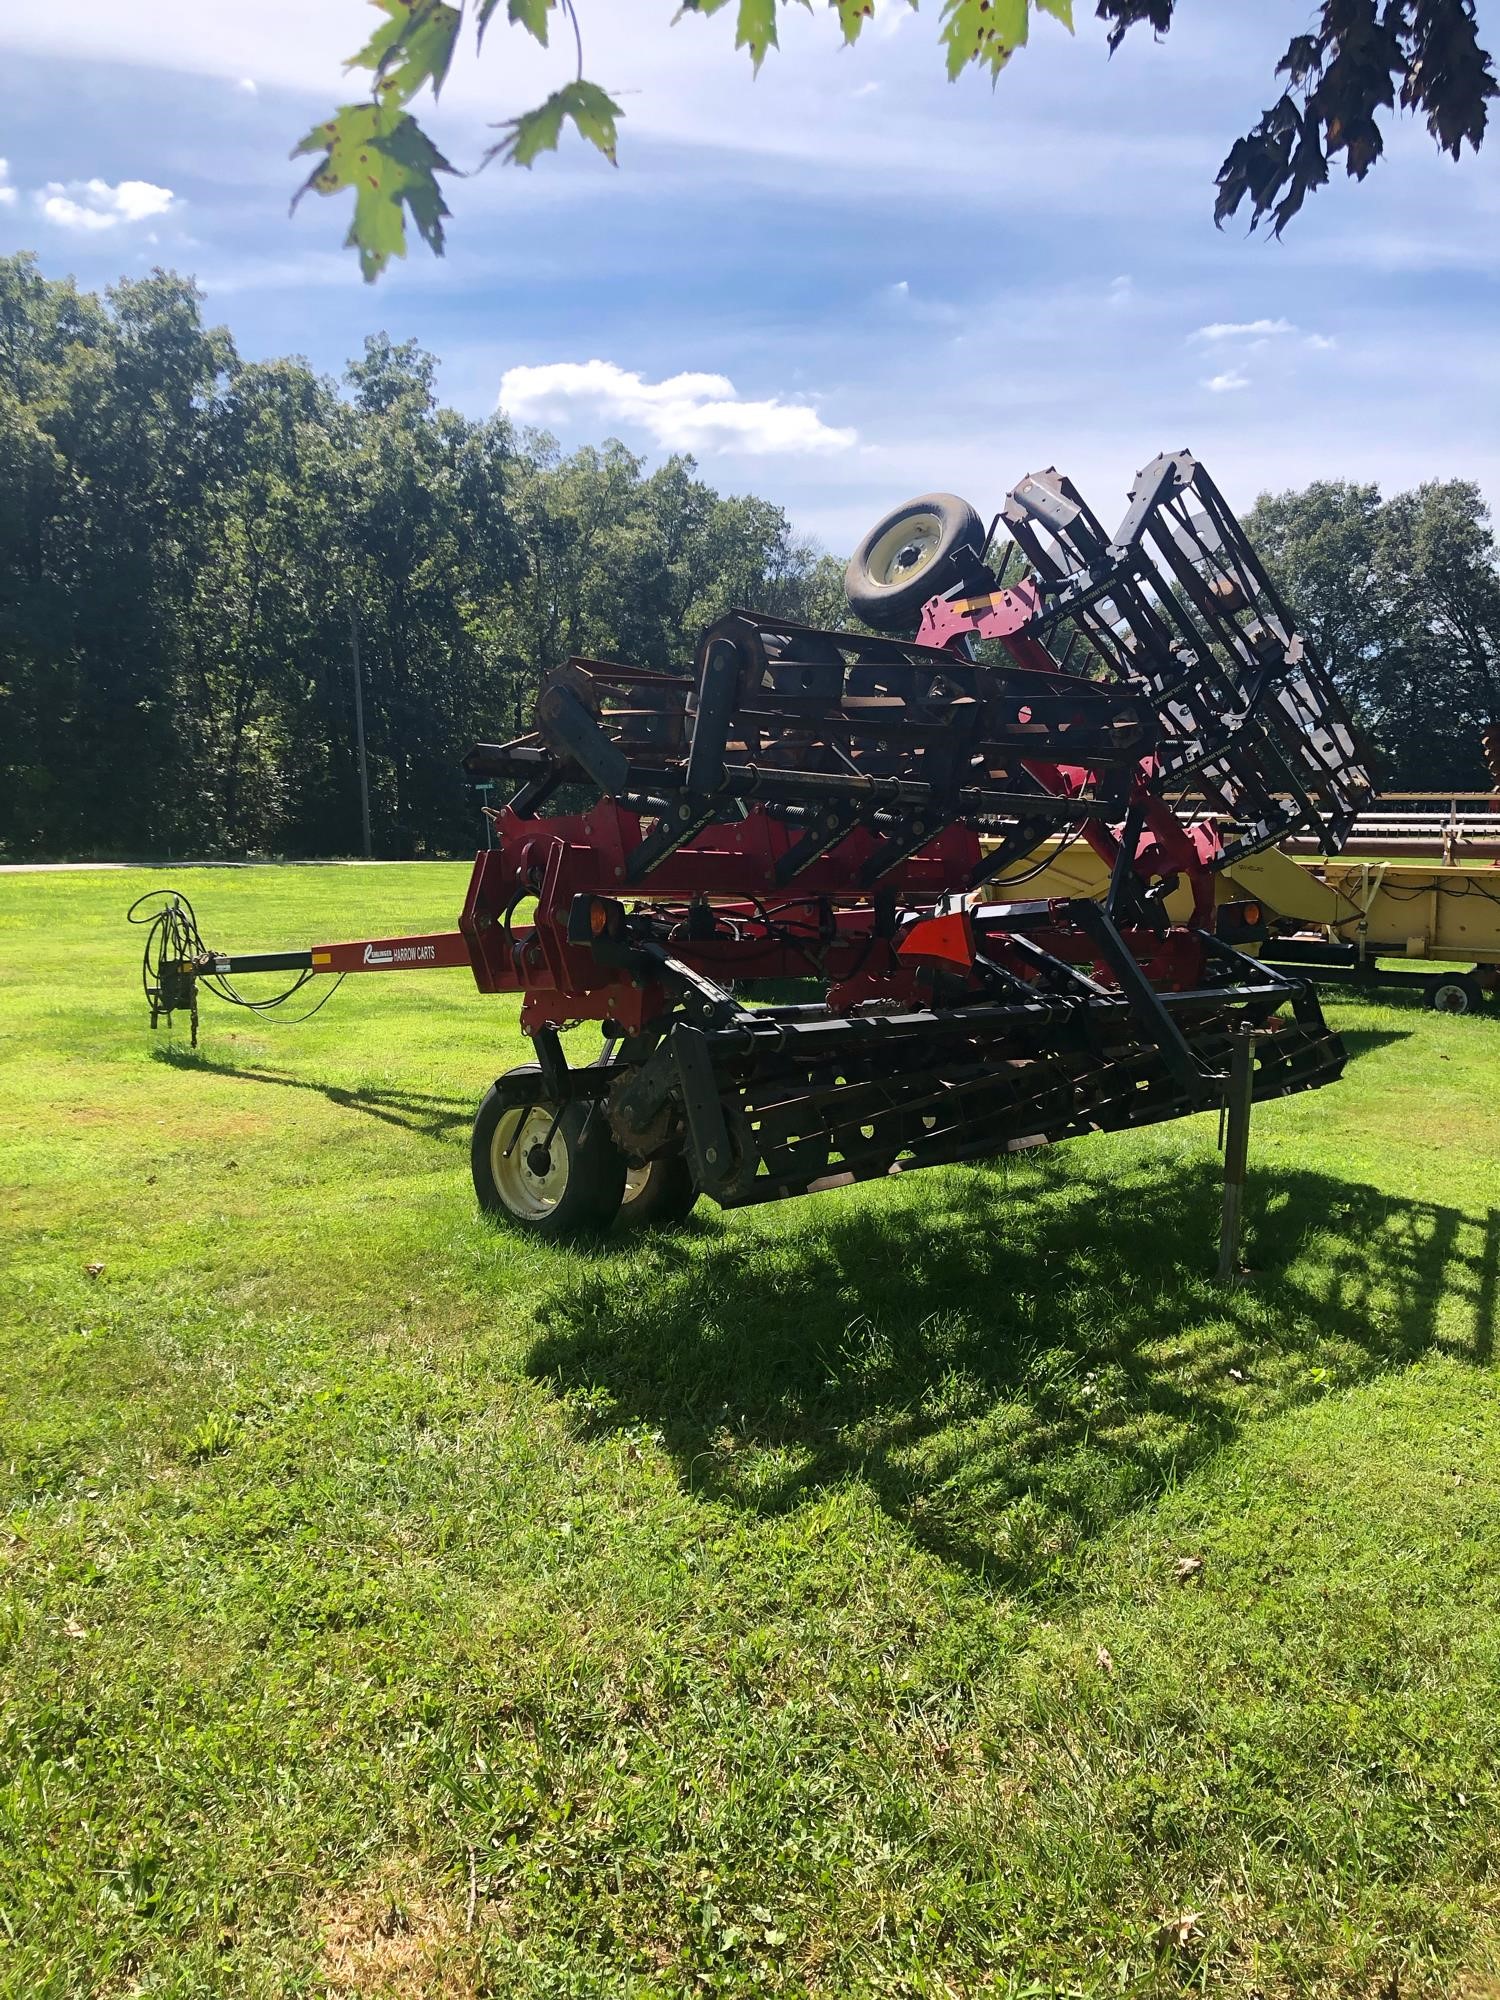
x: 852, y: 814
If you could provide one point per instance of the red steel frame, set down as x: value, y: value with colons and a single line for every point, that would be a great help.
x: 732, y: 868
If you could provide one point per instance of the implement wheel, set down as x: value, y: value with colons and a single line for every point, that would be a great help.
x: 917, y: 551
x: 556, y: 1177
x: 1455, y: 993
x: 658, y: 1194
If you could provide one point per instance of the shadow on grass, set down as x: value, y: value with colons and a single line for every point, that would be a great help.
x: 1008, y: 1363
x: 411, y: 1110
x: 1364, y: 1041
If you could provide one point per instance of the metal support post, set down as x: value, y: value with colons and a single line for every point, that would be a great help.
x: 486, y: 787
x: 1238, y: 1099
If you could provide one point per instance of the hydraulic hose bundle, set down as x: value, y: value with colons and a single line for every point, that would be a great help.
x: 175, y: 960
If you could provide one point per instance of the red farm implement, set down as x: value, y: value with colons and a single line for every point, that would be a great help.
x: 855, y: 812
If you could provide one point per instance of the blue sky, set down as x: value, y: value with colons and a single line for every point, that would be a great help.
x: 871, y: 282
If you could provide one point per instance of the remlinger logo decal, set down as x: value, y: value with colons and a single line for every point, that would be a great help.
x: 401, y: 954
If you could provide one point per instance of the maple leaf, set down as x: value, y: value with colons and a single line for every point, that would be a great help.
x: 756, y: 30
x: 1180, y: 1931
x: 698, y: 7
x: 381, y: 152
x: 529, y: 14
x: 412, y: 48
x: 853, y: 14
x: 983, y: 31
x: 1126, y: 13
x: 592, y: 110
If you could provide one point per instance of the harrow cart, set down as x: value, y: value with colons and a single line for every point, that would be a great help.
x: 856, y: 812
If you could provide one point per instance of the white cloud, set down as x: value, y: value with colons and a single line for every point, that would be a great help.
x: 1249, y: 329
x: 249, y: 86
x: 1122, y: 290
x: 95, y: 205
x: 716, y: 168
x: 912, y: 305
x: 7, y: 192
x: 690, y: 412
x: 866, y: 89
x: 1221, y: 385
x: 1321, y: 343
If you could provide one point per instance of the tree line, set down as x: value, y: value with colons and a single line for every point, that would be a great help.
x: 1402, y: 599
x: 190, y: 545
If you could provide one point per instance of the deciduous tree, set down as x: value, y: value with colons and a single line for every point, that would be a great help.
x: 185, y: 542
x: 1343, y: 79
x: 1402, y: 597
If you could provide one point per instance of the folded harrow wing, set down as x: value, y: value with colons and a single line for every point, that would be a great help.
x: 854, y: 812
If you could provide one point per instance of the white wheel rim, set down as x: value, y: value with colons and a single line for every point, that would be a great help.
x: 525, y: 1192
x: 905, y: 549
x: 1452, y: 999
x: 637, y: 1180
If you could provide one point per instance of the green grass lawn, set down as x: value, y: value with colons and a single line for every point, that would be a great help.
x: 932, y: 1589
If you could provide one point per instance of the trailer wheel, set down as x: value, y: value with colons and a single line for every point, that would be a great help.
x: 658, y: 1193
x: 919, y: 549
x: 557, y: 1177
x: 1455, y: 993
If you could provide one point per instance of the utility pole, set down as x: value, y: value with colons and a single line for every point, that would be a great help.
x: 359, y: 729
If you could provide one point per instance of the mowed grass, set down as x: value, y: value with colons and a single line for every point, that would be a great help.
x: 936, y: 1589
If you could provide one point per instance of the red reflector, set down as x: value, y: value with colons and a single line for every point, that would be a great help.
x: 948, y: 940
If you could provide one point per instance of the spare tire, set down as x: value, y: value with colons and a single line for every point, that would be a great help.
x: 919, y: 550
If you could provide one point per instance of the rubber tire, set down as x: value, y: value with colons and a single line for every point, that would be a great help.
x: 955, y: 560
x: 595, y: 1183
x: 1455, y: 984
x: 667, y: 1196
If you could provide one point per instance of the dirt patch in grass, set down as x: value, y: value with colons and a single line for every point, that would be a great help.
x: 393, y: 1936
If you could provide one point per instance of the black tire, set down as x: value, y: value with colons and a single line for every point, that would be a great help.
x: 659, y: 1194
x: 919, y: 550
x: 578, y: 1191
x: 1455, y: 993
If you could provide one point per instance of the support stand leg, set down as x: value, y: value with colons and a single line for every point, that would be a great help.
x: 1238, y: 1099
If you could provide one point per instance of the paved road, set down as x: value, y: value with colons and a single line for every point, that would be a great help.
x: 79, y: 867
